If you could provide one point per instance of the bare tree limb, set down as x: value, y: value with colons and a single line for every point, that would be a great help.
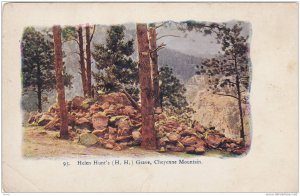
x: 77, y: 53
x: 230, y: 82
x: 161, y: 46
x: 73, y: 39
x: 93, y: 33
x: 133, y: 102
x: 167, y: 36
x: 158, y: 26
x: 162, y: 24
x: 73, y: 53
x: 225, y: 95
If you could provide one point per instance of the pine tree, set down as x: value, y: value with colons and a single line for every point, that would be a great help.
x: 172, y: 98
x: 116, y: 69
x: 229, y: 73
x: 38, y: 73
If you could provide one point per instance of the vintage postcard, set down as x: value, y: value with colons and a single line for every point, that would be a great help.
x: 159, y: 100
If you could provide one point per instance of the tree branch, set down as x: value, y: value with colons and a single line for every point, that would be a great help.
x: 229, y: 82
x: 77, y: 53
x: 73, y: 52
x: 162, y: 24
x: 133, y: 102
x: 167, y: 36
x: 93, y: 33
x: 226, y: 95
x: 161, y: 46
x: 74, y: 40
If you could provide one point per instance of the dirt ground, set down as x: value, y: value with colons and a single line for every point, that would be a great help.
x: 39, y: 143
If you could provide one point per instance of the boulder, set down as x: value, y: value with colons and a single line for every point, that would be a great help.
x: 114, y: 119
x: 123, y: 145
x: 187, y: 132
x: 88, y: 139
x: 190, y: 149
x: 99, y: 132
x: 53, y: 124
x: 162, y: 141
x: 188, y: 141
x: 114, y: 98
x: 80, y: 114
x: 128, y: 110
x: 117, y: 147
x: 100, y: 120
x: 112, y: 130
x: 45, y: 119
x: 200, y: 146
x: 214, y: 141
x: 34, y: 117
x: 136, y: 135
x: 76, y: 102
x: 179, y: 129
x: 162, y: 116
x: 200, y: 150
x: 123, y: 138
x: 87, y: 103
x: 238, y: 141
x: 158, y: 110
x: 109, y: 145
x: 167, y: 129
x: 239, y: 151
x: 105, y: 106
x: 83, y: 123
x: 106, y: 136
x: 233, y: 145
x: 175, y: 148
x: 123, y: 124
x: 110, y: 112
x: 199, y: 128
x: 112, y: 136
x: 95, y: 108
x: 162, y: 149
x: 54, y: 108
x: 160, y: 134
x: 173, y: 137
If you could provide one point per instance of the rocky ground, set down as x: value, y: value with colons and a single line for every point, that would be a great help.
x: 112, y: 122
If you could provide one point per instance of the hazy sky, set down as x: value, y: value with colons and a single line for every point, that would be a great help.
x: 192, y: 43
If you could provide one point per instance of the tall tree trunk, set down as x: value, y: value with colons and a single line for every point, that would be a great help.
x: 64, y: 134
x: 81, y: 61
x: 154, y: 62
x: 39, y: 88
x: 88, y: 61
x: 147, y: 101
x: 237, y: 79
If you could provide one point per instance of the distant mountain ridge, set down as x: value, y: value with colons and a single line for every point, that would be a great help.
x: 184, y: 65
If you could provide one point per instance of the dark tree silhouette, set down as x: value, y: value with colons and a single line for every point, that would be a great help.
x: 38, y: 73
x: 116, y: 69
x: 172, y: 92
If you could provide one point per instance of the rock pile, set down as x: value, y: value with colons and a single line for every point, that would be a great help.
x: 113, y: 122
